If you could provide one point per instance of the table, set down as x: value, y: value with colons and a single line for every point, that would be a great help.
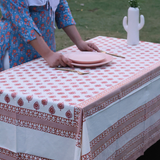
x: 111, y: 114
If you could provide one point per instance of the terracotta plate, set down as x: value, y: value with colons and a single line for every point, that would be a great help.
x: 86, y: 57
x: 108, y: 59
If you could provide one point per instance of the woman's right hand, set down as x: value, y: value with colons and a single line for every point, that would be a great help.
x: 55, y: 59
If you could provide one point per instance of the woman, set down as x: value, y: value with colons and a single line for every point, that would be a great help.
x: 27, y: 32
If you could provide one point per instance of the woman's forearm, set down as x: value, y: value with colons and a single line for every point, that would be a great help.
x: 40, y: 46
x: 73, y: 34
x: 53, y: 59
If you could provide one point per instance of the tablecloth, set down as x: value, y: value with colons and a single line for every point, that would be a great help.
x: 113, y: 113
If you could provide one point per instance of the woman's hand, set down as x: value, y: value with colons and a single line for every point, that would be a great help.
x: 87, y: 46
x: 74, y: 35
x: 55, y: 59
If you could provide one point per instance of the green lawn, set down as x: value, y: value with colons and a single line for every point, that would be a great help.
x: 104, y: 17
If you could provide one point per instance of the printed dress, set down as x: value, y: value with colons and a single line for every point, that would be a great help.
x: 18, y: 24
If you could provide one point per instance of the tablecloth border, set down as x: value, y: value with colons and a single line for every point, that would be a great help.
x: 145, y: 139
x: 150, y: 138
x: 119, y: 91
x: 123, y: 125
x: 38, y: 121
x: 9, y: 155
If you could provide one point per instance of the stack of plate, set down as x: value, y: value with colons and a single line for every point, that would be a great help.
x: 89, y: 59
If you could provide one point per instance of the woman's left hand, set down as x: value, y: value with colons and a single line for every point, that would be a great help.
x: 87, y: 46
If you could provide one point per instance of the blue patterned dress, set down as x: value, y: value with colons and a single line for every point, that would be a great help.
x: 18, y: 24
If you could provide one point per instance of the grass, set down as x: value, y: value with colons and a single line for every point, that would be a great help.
x: 104, y: 18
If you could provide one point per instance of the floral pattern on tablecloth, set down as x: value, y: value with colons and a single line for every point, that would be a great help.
x: 58, y: 92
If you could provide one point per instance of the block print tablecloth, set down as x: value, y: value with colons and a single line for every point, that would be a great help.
x: 111, y: 114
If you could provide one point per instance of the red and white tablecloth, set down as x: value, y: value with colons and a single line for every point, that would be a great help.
x: 113, y: 113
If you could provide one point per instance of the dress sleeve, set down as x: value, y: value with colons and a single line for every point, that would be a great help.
x: 21, y: 20
x: 63, y: 15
